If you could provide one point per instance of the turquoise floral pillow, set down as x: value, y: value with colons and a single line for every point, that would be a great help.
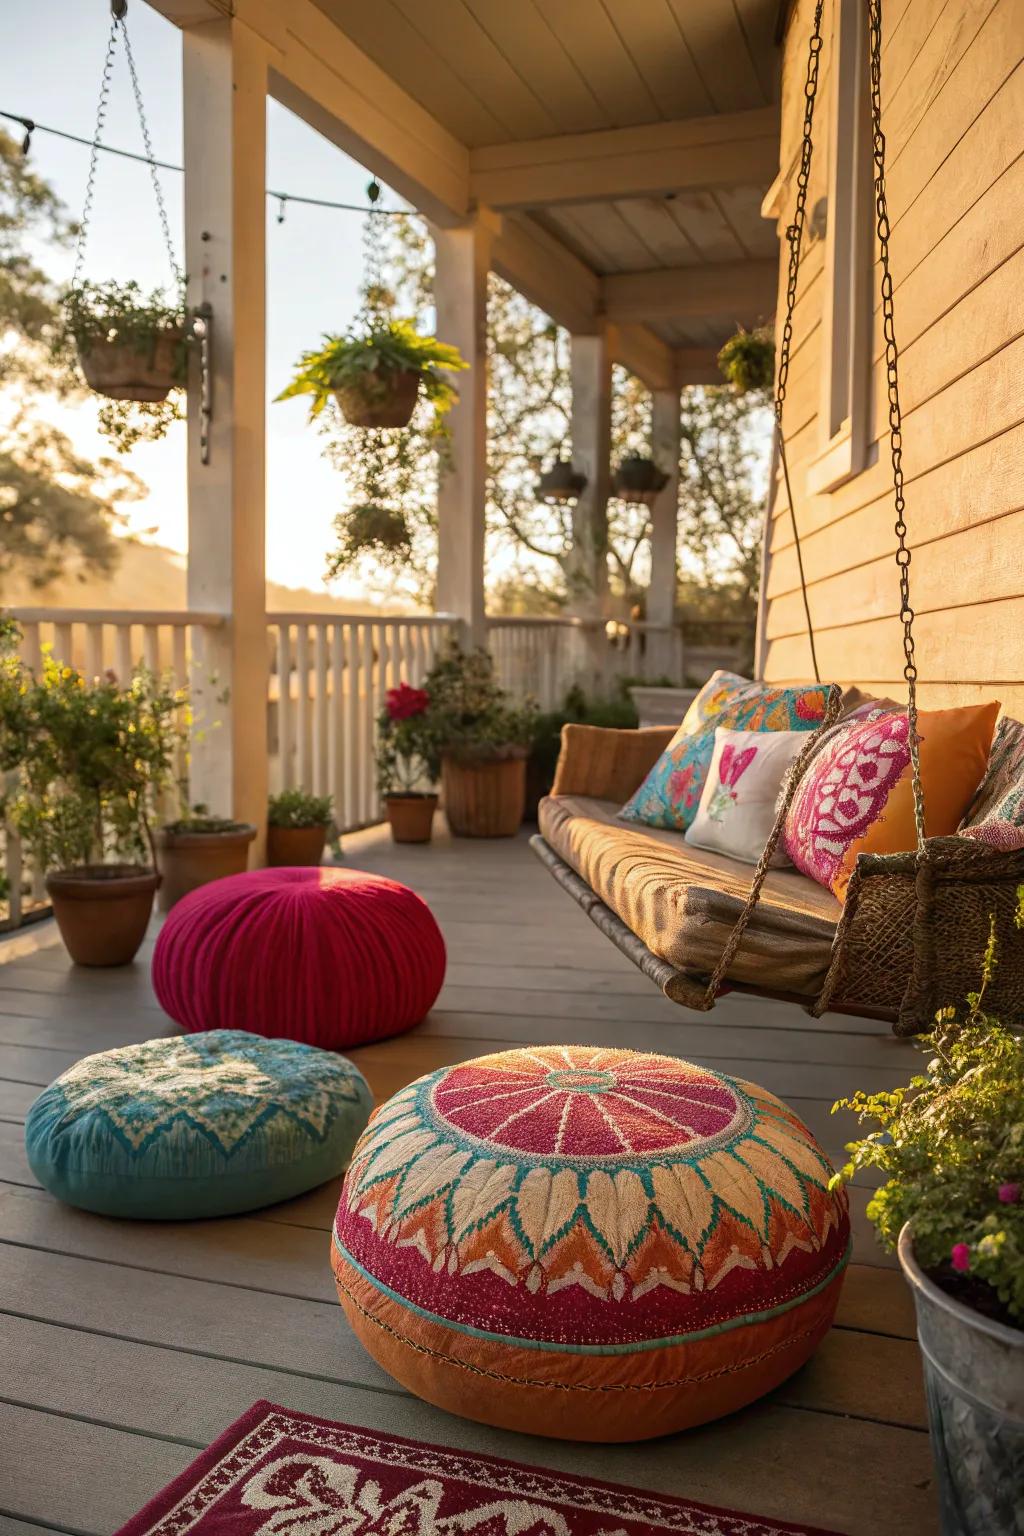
x: 670, y: 794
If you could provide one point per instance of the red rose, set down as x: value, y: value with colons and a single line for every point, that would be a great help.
x: 404, y: 702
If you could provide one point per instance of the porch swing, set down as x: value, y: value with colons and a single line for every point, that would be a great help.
x: 911, y: 934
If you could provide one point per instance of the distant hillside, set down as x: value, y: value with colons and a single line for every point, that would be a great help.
x: 150, y: 576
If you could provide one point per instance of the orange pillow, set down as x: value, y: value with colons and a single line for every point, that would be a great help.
x: 856, y: 796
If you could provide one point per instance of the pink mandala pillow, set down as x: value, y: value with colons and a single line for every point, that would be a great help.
x: 856, y: 796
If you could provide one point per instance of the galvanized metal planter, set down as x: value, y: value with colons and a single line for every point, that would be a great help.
x: 974, y: 1379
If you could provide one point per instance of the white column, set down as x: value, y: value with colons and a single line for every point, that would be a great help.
x: 225, y: 80
x: 591, y: 373
x: 663, y: 654
x: 462, y: 261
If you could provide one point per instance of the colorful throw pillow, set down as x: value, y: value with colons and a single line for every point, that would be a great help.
x: 997, y: 813
x: 595, y: 1244
x: 856, y: 796
x: 211, y: 1125
x: 670, y: 794
x: 737, y: 805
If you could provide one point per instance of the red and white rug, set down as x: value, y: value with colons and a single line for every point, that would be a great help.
x: 278, y: 1473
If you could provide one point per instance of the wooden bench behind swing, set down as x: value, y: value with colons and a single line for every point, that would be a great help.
x: 911, y: 934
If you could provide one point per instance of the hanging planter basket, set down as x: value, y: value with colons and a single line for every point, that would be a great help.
x: 561, y: 482
x: 747, y: 360
x: 638, y: 480
x: 376, y: 528
x: 129, y: 370
x: 380, y: 399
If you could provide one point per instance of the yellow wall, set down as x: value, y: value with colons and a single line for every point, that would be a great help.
x: 953, y: 111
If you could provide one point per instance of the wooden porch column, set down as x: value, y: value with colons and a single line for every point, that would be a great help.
x: 664, y: 652
x: 462, y: 262
x: 225, y: 82
x: 591, y: 374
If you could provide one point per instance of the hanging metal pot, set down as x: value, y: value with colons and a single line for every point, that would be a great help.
x: 561, y: 482
x: 638, y: 480
x: 126, y: 370
x: 380, y: 399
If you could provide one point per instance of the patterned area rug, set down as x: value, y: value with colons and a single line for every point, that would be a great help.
x: 278, y: 1473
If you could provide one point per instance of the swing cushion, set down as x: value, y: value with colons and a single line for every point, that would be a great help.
x: 997, y: 814
x: 594, y: 1244
x: 737, y: 806
x: 857, y: 796
x: 683, y: 902
x: 670, y: 794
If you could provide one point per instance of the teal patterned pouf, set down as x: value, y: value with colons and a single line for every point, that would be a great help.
x: 206, y: 1125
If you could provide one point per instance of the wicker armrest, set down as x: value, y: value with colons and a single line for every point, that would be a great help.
x: 607, y: 764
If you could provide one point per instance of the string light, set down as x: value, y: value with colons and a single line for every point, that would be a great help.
x: 373, y: 190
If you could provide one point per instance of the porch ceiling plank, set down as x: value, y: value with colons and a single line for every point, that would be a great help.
x: 595, y: 43
x: 661, y: 55
x: 739, y: 148
x: 522, y: 33
x: 651, y: 220
x: 746, y: 290
x: 703, y: 222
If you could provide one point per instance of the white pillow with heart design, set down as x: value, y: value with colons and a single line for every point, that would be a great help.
x: 737, y: 804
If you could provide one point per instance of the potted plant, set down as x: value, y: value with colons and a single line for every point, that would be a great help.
x: 483, y: 742
x: 130, y: 346
x: 297, y: 828
x: 638, y: 480
x: 546, y: 737
x: 951, y: 1145
x: 560, y: 482
x: 747, y: 360
x: 89, y: 761
x: 407, y: 764
x: 198, y: 848
x: 376, y: 376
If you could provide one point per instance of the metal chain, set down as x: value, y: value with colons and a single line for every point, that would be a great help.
x: 119, y: 23
x: 148, y: 143
x: 90, y: 185
x: 794, y: 237
x: 895, y: 414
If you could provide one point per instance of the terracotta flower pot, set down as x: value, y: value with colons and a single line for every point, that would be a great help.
x: 293, y: 847
x: 129, y: 373
x: 103, y: 910
x: 411, y: 817
x: 191, y: 859
x: 484, y: 797
x: 384, y: 400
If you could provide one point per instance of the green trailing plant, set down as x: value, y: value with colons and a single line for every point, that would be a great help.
x: 98, y: 316
x: 951, y: 1144
x: 367, y: 363
x: 407, y: 755
x: 296, y: 808
x: 90, y: 758
x: 747, y: 360
x: 370, y: 529
x: 617, y: 713
x: 470, y: 714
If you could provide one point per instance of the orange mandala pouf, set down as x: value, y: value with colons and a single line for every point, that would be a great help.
x: 592, y: 1244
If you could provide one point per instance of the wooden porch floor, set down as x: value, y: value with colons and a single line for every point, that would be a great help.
x: 126, y: 1347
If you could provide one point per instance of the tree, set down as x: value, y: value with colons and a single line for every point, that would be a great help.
x: 56, y: 507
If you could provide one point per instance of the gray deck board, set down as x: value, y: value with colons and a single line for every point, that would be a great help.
x: 130, y: 1345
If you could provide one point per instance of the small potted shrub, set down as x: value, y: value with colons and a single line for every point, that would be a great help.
x: 747, y: 360
x: 130, y: 346
x: 407, y: 764
x: 483, y: 742
x: 376, y: 376
x: 951, y: 1145
x: 638, y: 480
x: 89, y: 760
x: 198, y: 848
x: 297, y: 828
x: 560, y: 482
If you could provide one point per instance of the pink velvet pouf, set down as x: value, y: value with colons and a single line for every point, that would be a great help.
x: 332, y: 957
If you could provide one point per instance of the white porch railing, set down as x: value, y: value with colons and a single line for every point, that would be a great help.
x: 544, y: 656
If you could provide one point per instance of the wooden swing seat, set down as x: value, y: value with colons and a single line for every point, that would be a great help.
x: 671, y: 908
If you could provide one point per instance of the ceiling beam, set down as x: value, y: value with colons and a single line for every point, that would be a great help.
x: 743, y: 290
x: 638, y: 349
x: 697, y: 365
x: 547, y: 273
x: 695, y: 154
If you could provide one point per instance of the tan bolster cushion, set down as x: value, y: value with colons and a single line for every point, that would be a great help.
x: 607, y: 764
x: 683, y: 901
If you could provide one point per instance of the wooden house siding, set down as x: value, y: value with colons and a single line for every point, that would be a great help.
x: 953, y: 112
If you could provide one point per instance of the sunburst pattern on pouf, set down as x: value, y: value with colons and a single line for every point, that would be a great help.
x: 596, y: 1244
